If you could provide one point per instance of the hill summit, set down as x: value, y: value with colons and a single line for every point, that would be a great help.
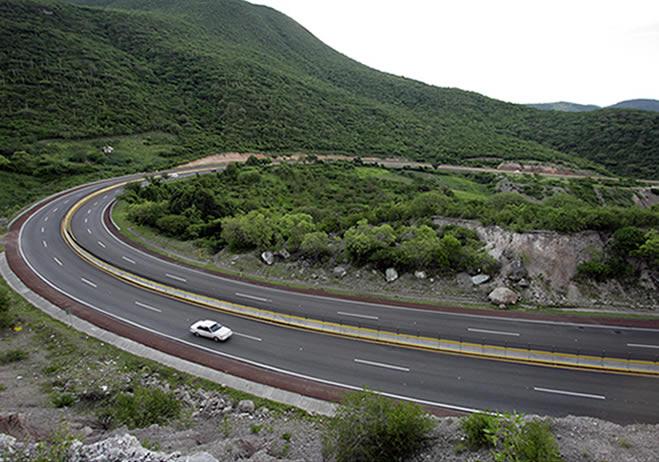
x: 229, y: 75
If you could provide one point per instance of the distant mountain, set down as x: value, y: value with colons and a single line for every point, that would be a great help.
x: 564, y: 106
x: 640, y: 104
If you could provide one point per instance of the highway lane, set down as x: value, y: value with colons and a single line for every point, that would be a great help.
x: 431, y: 377
x: 609, y: 341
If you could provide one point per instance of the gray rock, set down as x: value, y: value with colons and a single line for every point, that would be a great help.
x: 463, y: 280
x: 7, y: 442
x: 268, y: 258
x: 503, y: 296
x: 523, y: 283
x: 262, y: 456
x: 420, y: 274
x: 517, y: 271
x: 479, y: 279
x: 246, y: 405
x: 339, y: 271
x: 391, y: 274
x: 283, y: 253
x: 200, y: 457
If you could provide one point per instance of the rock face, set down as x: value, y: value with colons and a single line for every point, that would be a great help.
x: 503, y: 296
x: 517, y: 271
x: 268, y: 258
x: 391, y: 274
x: 479, y: 279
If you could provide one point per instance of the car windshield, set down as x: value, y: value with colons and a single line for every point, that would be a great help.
x: 215, y: 327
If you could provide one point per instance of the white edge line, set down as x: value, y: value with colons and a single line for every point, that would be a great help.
x: 386, y: 366
x: 569, y: 393
x: 237, y: 358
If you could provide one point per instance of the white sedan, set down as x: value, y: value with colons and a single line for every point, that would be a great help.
x: 212, y: 330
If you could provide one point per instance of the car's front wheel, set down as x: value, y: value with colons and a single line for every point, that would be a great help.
x: 217, y: 339
x: 196, y: 334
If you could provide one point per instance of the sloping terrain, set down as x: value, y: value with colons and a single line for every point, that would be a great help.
x: 230, y: 75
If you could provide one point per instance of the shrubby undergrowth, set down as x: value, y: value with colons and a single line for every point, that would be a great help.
x: 362, y: 215
x: 511, y: 438
x: 370, y: 427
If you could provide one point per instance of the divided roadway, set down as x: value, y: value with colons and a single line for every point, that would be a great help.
x: 449, y: 381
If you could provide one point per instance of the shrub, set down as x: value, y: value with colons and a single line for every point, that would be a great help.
x: 363, y: 240
x: 144, y: 407
x: 479, y: 428
x: 650, y: 249
x: 5, y: 318
x: 12, y: 356
x: 315, y: 245
x: 537, y: 444
x: 62, y: 399
x: 594, y: 269
x: 369, y: 427
x: 173, y: 225
x: 511, y: 438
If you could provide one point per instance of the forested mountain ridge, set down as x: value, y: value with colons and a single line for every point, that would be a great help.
x: 228, y: 75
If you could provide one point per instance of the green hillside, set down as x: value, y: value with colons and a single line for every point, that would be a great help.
x: 228, y: 75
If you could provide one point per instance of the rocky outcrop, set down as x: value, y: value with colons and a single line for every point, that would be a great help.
x: 120, y: 448
x: 503, y: 296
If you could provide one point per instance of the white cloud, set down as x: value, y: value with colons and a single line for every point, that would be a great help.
x: 585, y: 51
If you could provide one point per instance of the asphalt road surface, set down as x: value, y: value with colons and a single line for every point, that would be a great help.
x: 453, y: 381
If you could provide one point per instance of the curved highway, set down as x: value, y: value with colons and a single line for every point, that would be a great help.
x: 442, y: 380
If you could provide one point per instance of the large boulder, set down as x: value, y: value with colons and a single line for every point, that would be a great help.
x: 268, y: 258
x: 503, y: 296
x: 391, y: 274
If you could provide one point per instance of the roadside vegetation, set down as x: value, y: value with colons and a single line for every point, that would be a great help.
x: 345, y: 212
x: 510, y: 438
x: 371, y: 428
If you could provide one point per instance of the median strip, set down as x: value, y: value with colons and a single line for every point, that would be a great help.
x: 539, y: 357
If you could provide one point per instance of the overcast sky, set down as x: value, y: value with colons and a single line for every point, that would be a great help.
x: 523, y: 51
